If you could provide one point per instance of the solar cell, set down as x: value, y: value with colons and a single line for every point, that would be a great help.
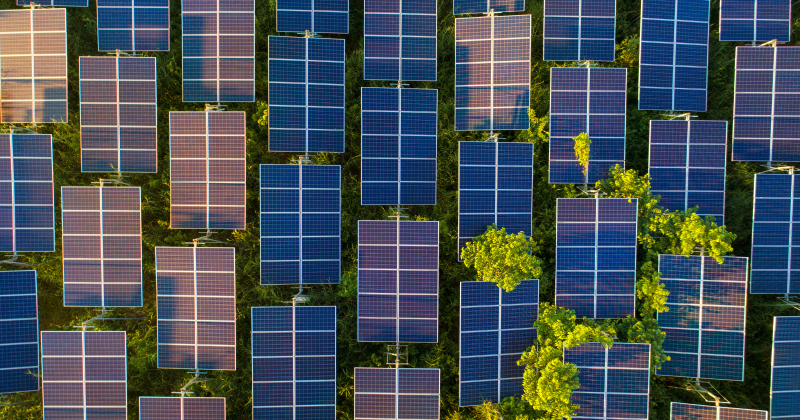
x: 785, y: 389
x: 461, y: 7
x: 493, y: 62
x: 398, y: 146
x: 118, y: 114
x: 300, y: 224
x: 207, y: 170
x: 687, y: 165
x: 84, y: 375
x: 306, y: 95
x: 294, y: 362
x: 26, y: 206
x: 133, y: 26
x: 496, y: 328
x: 320, y: 17
x: 592, y: 101
x: 577, y: 30
x: 218, y: 51
x: 681, y: 411
x: 55, y: 3
x: 755, y: 20
x: 766, y: 104
x: 615, y: 382
x: 596, y: 256
x: 673, y: 55
x: 396, y: 394
x: 400, y: 40
x: 495, y: 186
x: 181, y: 408
x: 398, y: 281
x: 19, y: 323
x: 34, y: 61
x: 196, y: 298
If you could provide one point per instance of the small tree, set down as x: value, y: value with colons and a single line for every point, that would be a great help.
x: 582, y: 149
x: 502, y: 258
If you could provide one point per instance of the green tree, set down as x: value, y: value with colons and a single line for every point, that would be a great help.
x: 582, y: 148
x: 503, y: 258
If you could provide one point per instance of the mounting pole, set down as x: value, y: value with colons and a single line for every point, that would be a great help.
x: 196, y: 379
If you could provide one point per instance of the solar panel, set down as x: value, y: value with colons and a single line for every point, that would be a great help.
x: 196, y: 298
x: 26, y: 206
x: 84, y: 375
x: 673, y: 55
x: 55, y: 3
x: 400, y: 40
x: 493, y: 62
x: 687, y: 165
x: 398, y: 281
x: 396, y: 394
x: 320, y: 17
x: 578, y: 30
x: 755, y: 20
x: 785, y: 389
x: 118, y: 114
x: 591, y: 101
x: 461, y: 7
x: 218, y: 51
x: 181, y: 408
x: 681, y: 411
x: 596, y: 256
x: 766, y: 104
x: 130, y: 26
x: 306, y: 95
x: 706, y: 320
x: 19, y: 323
x: 34, y: 62
x: 294, y: 362
x: 207, y: 170
x: 615, y: 382
x: 398, y: 146
x: 496, y: 328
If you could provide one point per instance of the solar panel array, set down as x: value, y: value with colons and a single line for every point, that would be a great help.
x: 766, y: 105
x: 785, y: 389
x: 294, y: 362
x: 196, y: 298
x: 398, y: 146
x: 592, y: 101
x: 55, y: 3
x: 687, y: 165
x: 181, y: 408
x: 461, y: 7
x: 578, y: 30
x: 596, y: 256
x: 19, y: 322
x: 34, y: 62
x: 306, y: 95
x: 207, y: 170
x: 400, y: 40
x: 218, y: 51
x: 493, y: 66
x: 755, y: 20
x: 705, y: 323
x: 316, y: 17
x: 26, y: 204
x: 496, y: 328
x: 615, y: 382
x: 300, y: 224
x: 681, y: 411
x: 84, y: 375
x: 673, y: 55
x: 396, y: 394
x: 118, y: 114
x: 398, y: 281
x: 127, y: 25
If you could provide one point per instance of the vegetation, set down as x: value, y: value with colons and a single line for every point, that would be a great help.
x: 503, y: 258
x: 582, y: 149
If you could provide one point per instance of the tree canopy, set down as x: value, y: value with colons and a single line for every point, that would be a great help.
x: 503, y: 258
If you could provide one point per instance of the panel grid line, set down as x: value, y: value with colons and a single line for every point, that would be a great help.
x: 683, y: 411
x: 396, y: 394
x: 182, y: 408
x: 740, y: 20
x: 126, y: 26
x: 784, y: 388
x: 573, y: 33
x: 19, y: 345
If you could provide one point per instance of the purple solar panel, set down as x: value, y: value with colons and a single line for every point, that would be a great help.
x: 396, y: 394
x: 681, y: 411
x: 181, y: 408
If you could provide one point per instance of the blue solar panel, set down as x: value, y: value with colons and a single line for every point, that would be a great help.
x: 496, y: 327
x: 755, y: 20
x: 300, y: 224
x: 493, y: 73
x: 705, y: 323
x: 398, y: 146
x: 591, y: 101
x: 596, y: 256
x: 294, y: 363
x: 26, y: 207
x: 615, y: 382
x: 54, y: 3
x: 218, y: 51
x: 181, y: 408
x: 398, y: 281
x: 131, y: 26
x: 84, y: 375
x: 687, y: 165
x: 461, y: 7
x: 118, y: 114
x: 19, y: 325
x: 396, y: 394
x: 400, y: 40
x: 321, y: 17
x: 785, y: 388
x: 207, y: 170
x: 681, y: 411
x: 306, y: 95
x: 196, y: 298
x: 673, y: 55
x: 766, y: 104
x: 577, y: 30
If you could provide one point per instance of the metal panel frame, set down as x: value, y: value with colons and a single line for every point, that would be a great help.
x: 580, y: 17
x: 33, y: 370
x: 313, y: 12
x: 133, y: 29
x: 397, y: 394
x: 755, y: 21
x: 183, y: 403
x: 495, y: 5
x: 792, y: 339
x: 716, y: 413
